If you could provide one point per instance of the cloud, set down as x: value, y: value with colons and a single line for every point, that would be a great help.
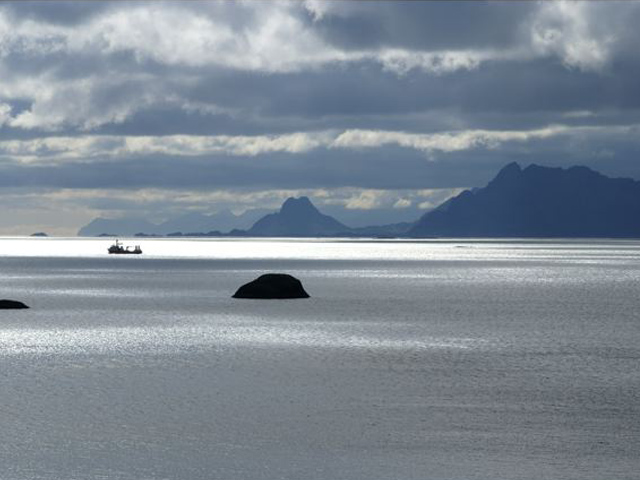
x: 55, y: 150
x: 455, y: 141
x: 402, y: 61
x: 257, y: 36
x: 317, y: 8
x: 50, y: 150
x: 428, y: 199
x: 366, y: 200
x: 566, y: 29
x: 180, y: 99
x: 108, y: 63
x: 176, y: 35
x: 402, y: 203
x: 5, y: 113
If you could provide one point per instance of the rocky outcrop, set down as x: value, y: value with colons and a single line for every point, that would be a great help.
x: 272, y: 286
x: 11, y: 305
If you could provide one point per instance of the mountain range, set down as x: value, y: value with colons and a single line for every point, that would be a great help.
x: 539, y: 202
x: 532, y: 202
x: 222, y: 221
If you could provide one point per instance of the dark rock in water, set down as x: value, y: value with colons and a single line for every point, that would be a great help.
x: 11, y: 304
x: 272, y: 285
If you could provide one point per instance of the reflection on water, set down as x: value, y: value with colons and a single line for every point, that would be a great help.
x: 616, y: 251
x: 411, y: 360
x: 174, y: 340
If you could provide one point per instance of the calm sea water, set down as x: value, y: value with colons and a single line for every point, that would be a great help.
x: 438, y: 360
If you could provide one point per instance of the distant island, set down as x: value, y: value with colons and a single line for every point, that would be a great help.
x: 536, y: 201
x: 298, y: 217
x: 191, y: 222
x: 540, y: 202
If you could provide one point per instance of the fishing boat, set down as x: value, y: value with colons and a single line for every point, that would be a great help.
x: 119, y: 248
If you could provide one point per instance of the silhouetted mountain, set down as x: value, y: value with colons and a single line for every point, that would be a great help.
x: 539, y: 202
x: 191, y: 222
x: 222, y: 221
x: 196, y: 222
x: 298, y: 217
x: 123, y: 227
x: 393, y: 230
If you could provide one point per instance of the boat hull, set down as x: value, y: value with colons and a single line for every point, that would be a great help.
x: 120, y: 249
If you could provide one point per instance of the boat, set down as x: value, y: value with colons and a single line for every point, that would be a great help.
x: 119, y: 248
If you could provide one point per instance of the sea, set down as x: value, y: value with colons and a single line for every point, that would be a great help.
x: 447, y: 359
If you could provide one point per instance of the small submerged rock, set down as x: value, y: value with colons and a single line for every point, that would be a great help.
x: 272, y: 286
x: 11, y: 304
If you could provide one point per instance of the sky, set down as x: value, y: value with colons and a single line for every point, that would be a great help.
x: 378, y: 111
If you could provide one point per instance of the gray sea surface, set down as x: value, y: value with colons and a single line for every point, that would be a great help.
x: 444, y: 360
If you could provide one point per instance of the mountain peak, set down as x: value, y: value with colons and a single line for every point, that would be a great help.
x: 296, y: 206
x: 298, y: 217
x: 508, y: 173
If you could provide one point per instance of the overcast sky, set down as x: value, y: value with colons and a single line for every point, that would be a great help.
x: 376, y: 110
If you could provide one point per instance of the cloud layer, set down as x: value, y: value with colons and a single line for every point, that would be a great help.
x: 101, y: 98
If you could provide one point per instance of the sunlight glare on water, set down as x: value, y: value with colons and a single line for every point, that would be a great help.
x: 330, y: 249
x: 434, y: 359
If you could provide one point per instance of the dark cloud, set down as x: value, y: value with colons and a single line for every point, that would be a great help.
x: 358, y: 94
x: 64, y: 13
x: 420, y: 25
x: 496, y: 96
x: 380, y: 168
x: 386, y: 168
